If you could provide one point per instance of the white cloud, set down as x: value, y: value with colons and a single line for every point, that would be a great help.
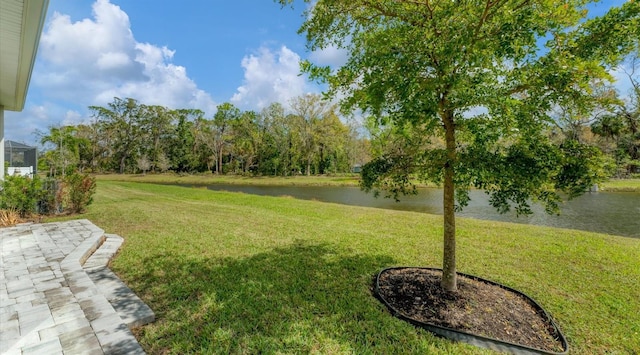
x: 72, y: 117
x: 112, y: 60
x: 22, y: 126
x: 91, y: 61
x: 332, y: 56
x: 270, y: 77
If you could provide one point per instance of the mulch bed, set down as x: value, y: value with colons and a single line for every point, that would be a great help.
x: 477, y: 307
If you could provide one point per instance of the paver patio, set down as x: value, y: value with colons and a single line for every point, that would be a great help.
x: 58, y: 296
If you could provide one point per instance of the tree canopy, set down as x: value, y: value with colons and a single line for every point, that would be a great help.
x: 129, y: 136
x: 472, y: 86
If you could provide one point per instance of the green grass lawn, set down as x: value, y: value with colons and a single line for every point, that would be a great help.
x: 617, y: 185
x: 622, y: 185
x: 236, y: 273
x: 211, y: 179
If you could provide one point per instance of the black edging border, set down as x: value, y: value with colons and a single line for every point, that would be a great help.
x: 477, y: 340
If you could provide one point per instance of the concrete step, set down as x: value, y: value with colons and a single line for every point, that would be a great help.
x: 133, y: 311
x: 105, y: 252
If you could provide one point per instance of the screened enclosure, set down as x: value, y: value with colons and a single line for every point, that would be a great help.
x: 21, y: 159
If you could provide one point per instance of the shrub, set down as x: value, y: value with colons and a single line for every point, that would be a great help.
x: 53, y: 196
x: 20, y: 194
x: 26, y: 195
x: 80, y: 189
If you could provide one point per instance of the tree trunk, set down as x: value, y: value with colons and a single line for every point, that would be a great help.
x: 123, y: 163
x: 287, y: 167
x: 321, y: 164
x: 219, y: 161
x: 449, y: 282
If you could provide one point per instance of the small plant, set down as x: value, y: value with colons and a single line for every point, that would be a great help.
x: 20, y: 194
x: 9, y: 217
x: 80, y: 189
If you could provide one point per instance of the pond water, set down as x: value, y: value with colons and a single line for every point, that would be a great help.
x: 616, y: 213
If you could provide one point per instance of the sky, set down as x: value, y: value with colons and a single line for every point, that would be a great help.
x: 178, y: 54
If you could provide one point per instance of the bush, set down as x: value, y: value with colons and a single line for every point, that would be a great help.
x: 53, y: 197
x: 80, y: 189
x: 26, y: 195
x: 20, y: 194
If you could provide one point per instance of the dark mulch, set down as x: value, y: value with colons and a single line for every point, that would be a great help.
x: 477, y: 307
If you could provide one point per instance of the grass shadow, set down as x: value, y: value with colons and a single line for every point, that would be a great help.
x: 297, y: 299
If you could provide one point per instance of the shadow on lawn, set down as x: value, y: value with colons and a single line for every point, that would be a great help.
x: 301, y: 298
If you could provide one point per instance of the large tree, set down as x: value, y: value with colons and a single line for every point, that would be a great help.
x: 247, y: 139
x: 484, y: 76
x: 309, y: 111
x: 157, y: 125
x: 276, y: 150
x: 67, y: 149
x: 622, y: 126
x: 222, y: 125
x: 122, y: 121
x: 182, y: 153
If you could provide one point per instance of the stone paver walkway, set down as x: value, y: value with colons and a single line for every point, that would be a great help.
x: 51, y: 304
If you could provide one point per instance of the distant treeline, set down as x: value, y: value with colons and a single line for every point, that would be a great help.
x: 130, y: 137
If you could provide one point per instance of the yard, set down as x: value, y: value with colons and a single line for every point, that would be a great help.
x: 236, y: 273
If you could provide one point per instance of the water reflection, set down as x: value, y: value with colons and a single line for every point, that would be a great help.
x: 603, y: 212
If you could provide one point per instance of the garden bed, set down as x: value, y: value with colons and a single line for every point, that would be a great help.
x: 481, y: 312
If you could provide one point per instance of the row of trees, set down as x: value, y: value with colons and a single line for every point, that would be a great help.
x: 128, y: 136
x: 613, y: 127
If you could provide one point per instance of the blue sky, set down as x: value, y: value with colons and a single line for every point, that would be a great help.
x: 179, y: 54
x: 172, y: 53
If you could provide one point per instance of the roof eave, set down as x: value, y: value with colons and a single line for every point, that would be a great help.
x: 33, y: 19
